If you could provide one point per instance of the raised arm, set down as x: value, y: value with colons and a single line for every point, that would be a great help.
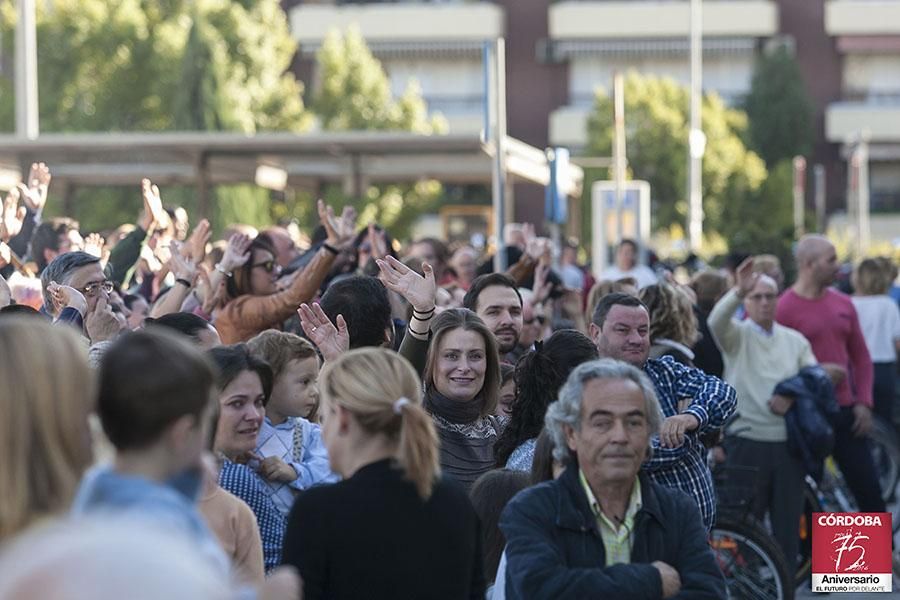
x: 259, y: 312
x: 420, y: 292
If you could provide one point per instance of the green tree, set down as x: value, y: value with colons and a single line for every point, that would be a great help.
x: 657, y: 124
x: 779, y: 109
x: 161, y: 65
x: 355, y: 94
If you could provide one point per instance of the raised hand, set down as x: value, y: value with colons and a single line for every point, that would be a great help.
x: 378, y: 241
x: 237, y: 252
x: 183, y: 267
x: 745, y: 278
x: 331, y: 340
x: 417, y: 290
x: 195, y: 246
x: 101, y: 323
x: 12, y: 216
x: 154, y: 214
x: 339, y: 231
x: 35, y: 192
x: 93, y: 245
x: 64, y: 295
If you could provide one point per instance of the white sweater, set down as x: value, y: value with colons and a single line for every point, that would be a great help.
x: 755, y: 362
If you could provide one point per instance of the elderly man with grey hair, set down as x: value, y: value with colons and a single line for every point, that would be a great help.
x: 76, y: 290
x: 759, y: 354
x: 604, y: 529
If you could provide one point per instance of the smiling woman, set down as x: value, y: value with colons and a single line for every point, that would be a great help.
x: 462, y: 388
x: 244, y: 386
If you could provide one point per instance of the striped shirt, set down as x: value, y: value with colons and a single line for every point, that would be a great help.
x: 712, y: 401
x: 617, y: 541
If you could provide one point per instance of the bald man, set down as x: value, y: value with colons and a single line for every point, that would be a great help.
x: 828, y: 320
x: 759, y: 354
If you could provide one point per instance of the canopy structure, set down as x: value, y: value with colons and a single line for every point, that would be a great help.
x: 205, y: 159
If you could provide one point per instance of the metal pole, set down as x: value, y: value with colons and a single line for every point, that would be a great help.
x: 619, y: 152
x: 819, y: 181
x: 853, y: 198
x: 697, y: 141
x: 799, y: 193
x: 26, y: 72
x: 498, y: 188
x: 865, y: 231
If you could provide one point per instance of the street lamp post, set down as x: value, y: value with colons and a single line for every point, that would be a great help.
x: 697, y: 140
x: 26, y: 71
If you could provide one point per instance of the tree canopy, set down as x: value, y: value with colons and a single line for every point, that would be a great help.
x: 779, y: 109
x: 736, y: 184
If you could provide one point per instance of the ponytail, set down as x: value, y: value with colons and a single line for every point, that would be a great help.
x: 384, y: 393
x: 418, y: 451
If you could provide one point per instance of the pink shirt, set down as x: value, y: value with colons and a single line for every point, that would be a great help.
x: 832, y: 328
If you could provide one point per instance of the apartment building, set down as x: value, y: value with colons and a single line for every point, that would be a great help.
x: 866, y: 34
x: 559, y: 51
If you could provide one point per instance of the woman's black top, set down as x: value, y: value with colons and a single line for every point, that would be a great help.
x: 372, y: 536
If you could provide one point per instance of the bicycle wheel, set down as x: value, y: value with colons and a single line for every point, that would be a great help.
x: 750, y: 559
x: 811, y: 505
x: 886, y: 455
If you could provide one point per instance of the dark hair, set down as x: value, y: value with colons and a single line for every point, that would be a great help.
x: 629, y: 242
x: 539, y: 375
x: 59, y: 270
x: 46, y: 237
x: 490, y: 494
x: 149, y: 380
x: 441, y: 252
x: 234, y: 360
x: 185, y: 323
x: 239, y: 283
x: 542, y: 464
x: 617, y: 299
x: 709, y: 286
x: 481, y: 282
x: 22, y: 310
x: 129, y: 299
x: 507, y: 371
x: 364, y: 304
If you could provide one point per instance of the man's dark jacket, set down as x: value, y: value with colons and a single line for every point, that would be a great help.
x: 810, y: 419
x: 554, y: 549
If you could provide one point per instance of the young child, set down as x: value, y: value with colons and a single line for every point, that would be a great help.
x: 290, y: 448
x: 154, y: 403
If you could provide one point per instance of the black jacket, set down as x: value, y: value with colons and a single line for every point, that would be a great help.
x: 810, y: 419
x: 371, y: 536
x: 554, y: 549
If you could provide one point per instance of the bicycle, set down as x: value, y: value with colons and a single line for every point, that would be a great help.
x: 748, y: 556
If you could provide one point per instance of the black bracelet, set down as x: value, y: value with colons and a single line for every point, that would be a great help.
x: 426, y: 313
x: 411, y: 330
x: 184, y: 282
x: 331, y: 249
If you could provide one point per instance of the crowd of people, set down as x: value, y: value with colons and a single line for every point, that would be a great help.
x: 344, y: 417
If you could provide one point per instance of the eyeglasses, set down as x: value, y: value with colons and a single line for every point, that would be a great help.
x: 267, y: 266
x: 92, y: 289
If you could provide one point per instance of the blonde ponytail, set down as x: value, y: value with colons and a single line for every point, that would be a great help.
x: 418, y: 454
x: 384, y: 393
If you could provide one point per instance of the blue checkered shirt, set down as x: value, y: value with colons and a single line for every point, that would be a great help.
x: 712, y: 402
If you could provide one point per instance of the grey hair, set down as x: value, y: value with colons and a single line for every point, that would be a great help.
x: 567, y: 409
x: 60, y: 269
